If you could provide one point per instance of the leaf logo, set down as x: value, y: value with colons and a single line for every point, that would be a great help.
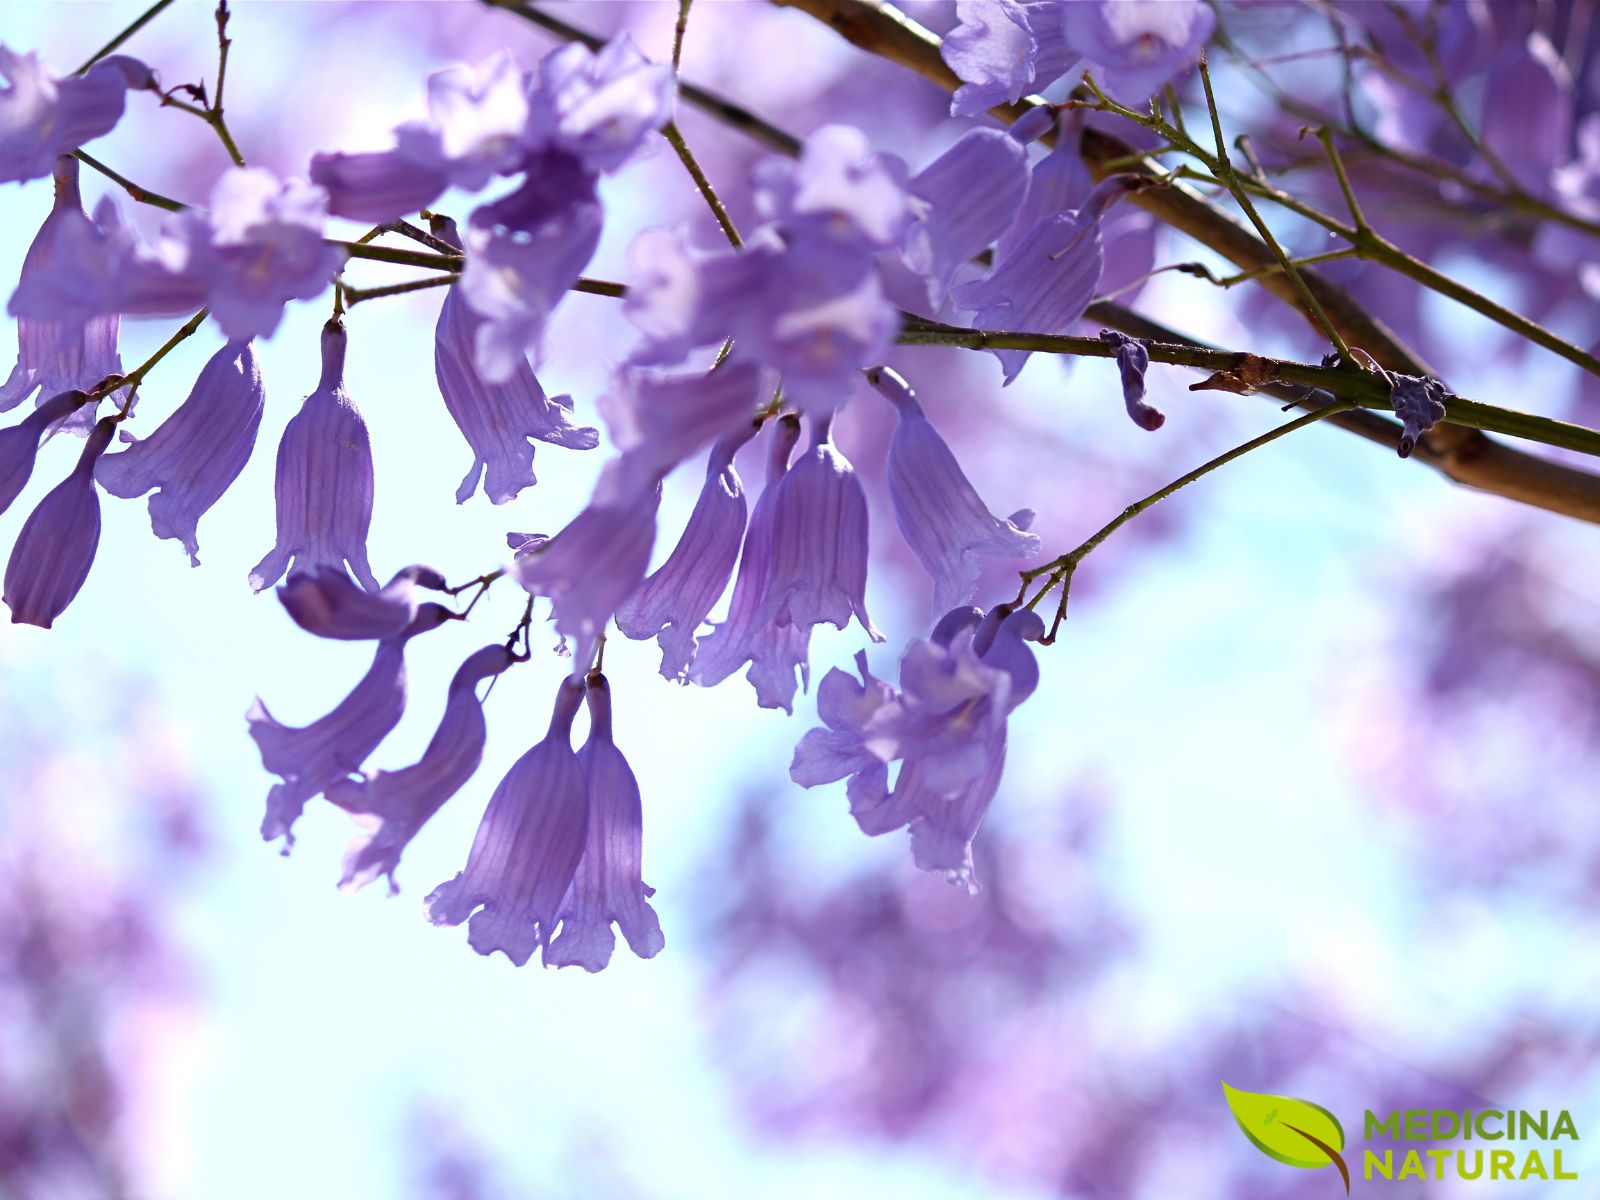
x: 1292, y: 1131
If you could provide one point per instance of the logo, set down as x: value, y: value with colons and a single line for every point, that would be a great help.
x: 1306, y: 1135
x: 1292, y: 1131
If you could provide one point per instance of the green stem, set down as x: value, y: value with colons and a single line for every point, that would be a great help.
x: 404, y: 258
x: 141, y: 195
x: 1231, y: 178
x: 692, y: 165
x: 1060, y: 570
x: 135, y: 377
x: 139, y: 23
x: 678, y: 30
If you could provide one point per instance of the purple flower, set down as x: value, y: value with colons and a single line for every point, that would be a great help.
x: 1046, y: 281
x: 326, y: 602
x: 672, y: 603
x: 197, y: 453
x: 1059, y: 181
x: 1418, y: 401
x: 1133, y: 360
x: 384, y: 185
x: 940, y: 514
x: 394, y: 805
x: 1004, y: 49
x: 19, y: 444
x: 43, y: 117
x: 957, y: 220
x: 55, y: 357
x: 601, y: 108
x: 313, y: 758
x: 497, y: 419
x: 657, y: 421
x: 259, y: 247
x: 946, y: 724
x: 607, y: 886
x: 324, y: 480
x: 1527, y: 119
x: 819, y: 541
x: 56, y: 547
x: 775, y: 651
x: 481, y: 115
x: 839, y: 199
x: 98, y: 268
x: 595, y: 563
x: 528, y: 846
x: 515, y: 280
x: 1136, y: 48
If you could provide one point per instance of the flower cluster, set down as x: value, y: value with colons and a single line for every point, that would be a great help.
x: 800, y: 309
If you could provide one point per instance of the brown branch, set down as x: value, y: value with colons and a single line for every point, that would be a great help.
x: 1464, y: 454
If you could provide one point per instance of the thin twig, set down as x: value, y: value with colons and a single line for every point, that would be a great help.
x: 141, y: 195
x: 138, y: 23
x: 714, y: 202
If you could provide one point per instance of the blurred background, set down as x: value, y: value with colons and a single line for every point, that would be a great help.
x: 1305, y: 800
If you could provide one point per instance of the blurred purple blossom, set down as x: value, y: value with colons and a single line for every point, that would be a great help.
x: 43, y: 116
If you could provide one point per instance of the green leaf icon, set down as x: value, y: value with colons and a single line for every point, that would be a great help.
x: 1292, y: 1131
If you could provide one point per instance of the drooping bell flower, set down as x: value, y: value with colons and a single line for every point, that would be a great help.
x: 673, y: 602
x: 595, y: 563
x: 1049, y: 277
x: 314, y: 757
x: 607, y: 886
x: 600, y: 107
x: 819, y: 541
x: 19, y: 443
x: 1004, y: 49
x: 776, y: 652
x: 1133, y: 360
x: 326, y: 602
x: 528, y: 846
x: 941, y: 516
x: 324, y: 480
x: 56, y: 547
x: 197, y: 453
x: 394, y: 805
x: 968, y: 197
x: 56, y: 356
x: 497, y: 419
x: 43, y: 117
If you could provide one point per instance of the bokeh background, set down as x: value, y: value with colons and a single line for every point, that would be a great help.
x: 1304, y: 802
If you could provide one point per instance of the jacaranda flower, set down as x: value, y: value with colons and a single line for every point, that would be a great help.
x: 43, y: 117
x: 326, y: 602
x: 1133, y: 360
x: 313, y: 758
x: 749, y: 635
x: 55, y: 356
x: 19, y: 443
x: 528, y: 846
x: 1135, y: 48
x: 497, y: 419
x: 55, y: 549
x: 673, y: 602
x: 607, y: 886
x: 941, y: 516
x: 197, y: 453
x: 1004, y: 49
x: 394, y: 805
x: 324, y: 479
x: 956, y: 220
